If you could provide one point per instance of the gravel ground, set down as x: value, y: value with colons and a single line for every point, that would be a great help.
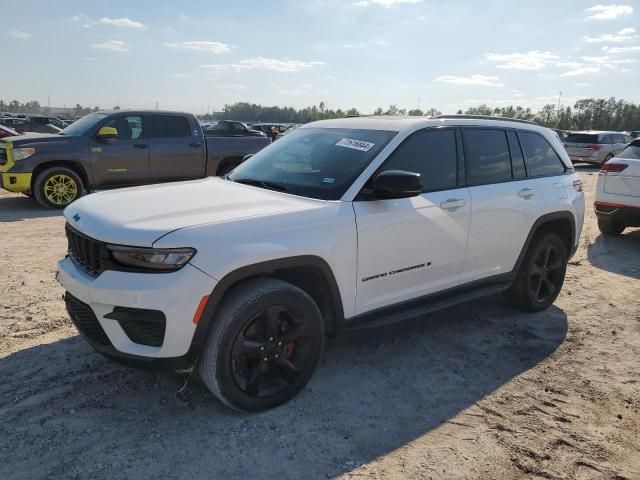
x: 477, y: 391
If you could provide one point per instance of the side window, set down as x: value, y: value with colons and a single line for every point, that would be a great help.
x: 541, y: 158
x: 169, y: 126
x: 487, y: 158
x: 432, y: 154
x: 628, y: 139
x: 238, y: 129
x: 129, y: 128
x: 618, y: 139
x: 605, y: 139
x: 517, y: 160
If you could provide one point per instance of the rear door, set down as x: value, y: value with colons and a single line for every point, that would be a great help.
x: 412, y: 247
x: 123, y: 160
x: 177, y: 148
x: 505, y: 202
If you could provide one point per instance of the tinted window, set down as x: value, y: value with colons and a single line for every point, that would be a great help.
x: 517, y: 160
x: 238, y: 129
x: 486, y: 156
x: 314, y: 162
x: 541, y: 158
x: 618, y: 139
x: 169, y: 126
x: 632, y: 151
x: 582, y: 138
x: 628, y: 139
x: 129, y: 128
x: 432, y: 154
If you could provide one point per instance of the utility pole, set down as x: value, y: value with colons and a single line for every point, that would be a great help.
x: 418, y: 103
x: 559, y: 97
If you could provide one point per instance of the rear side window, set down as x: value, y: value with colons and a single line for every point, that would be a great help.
x: 541, y: 158
x: 169, y: 126
x: 581, y: 138
x: 618, y: 139
x: 487, y: 158
x: 432, y: 154
x: 605, y: 139
x: 631, y: 152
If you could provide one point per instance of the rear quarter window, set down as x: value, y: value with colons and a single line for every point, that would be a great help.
x: 169, y: 126
x: 540, y: 157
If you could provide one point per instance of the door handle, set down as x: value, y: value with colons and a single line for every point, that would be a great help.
x: 195, y: 145
x: 452, y: 203
x: 140, y: 145
x: 527, y: 192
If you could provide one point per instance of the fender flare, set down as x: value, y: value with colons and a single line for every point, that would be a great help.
x: 257, y: 269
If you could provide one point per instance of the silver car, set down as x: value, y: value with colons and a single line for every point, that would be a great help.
x: 595, y: 146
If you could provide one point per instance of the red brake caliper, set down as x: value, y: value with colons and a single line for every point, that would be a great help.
x: 287, y: 351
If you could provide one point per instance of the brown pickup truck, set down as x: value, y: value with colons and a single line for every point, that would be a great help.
x: 115, y: 149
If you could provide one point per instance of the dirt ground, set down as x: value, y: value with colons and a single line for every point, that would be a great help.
x: 477, y: 391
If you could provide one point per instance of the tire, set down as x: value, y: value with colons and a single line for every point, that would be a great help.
x: 232, y: 364
x: 541, y: 275
x: 610, y: 227
x: 57, y: 187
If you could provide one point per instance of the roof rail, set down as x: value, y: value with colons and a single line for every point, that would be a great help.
x: 487, y: 117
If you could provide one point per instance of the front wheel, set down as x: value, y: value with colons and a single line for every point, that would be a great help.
x: 541, y: 274
x: 264, y: 345
x: 57, y: 187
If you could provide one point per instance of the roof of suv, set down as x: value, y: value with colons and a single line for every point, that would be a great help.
x: 398, y: 124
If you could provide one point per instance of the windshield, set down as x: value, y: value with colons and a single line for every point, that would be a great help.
x: 313, y: 162
x: 82, y: 126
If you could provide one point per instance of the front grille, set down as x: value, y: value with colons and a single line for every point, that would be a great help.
x: 85, y: 320
x: 3, y: 156
x: 85, y: 251
x: 142, y: 326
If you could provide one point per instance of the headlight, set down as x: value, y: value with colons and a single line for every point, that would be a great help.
x: 22, y: 153
x: 156, y: 259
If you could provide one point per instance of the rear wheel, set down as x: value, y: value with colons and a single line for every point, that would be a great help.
x: 541, y: 274
x: 57, y: 187
x: 264, y: 345
x: 610, y: 227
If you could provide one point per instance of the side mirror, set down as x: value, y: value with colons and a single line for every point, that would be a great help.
x: 106, y: 133
x: 397, y: 184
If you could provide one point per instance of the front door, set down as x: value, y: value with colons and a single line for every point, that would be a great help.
x: 177, y: 150
x: 412, y: 247
x: 123, y: 160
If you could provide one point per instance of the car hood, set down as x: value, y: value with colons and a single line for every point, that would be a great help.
x: 141, y: 215
x: 35, y: 139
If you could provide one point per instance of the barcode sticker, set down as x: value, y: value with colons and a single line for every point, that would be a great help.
x: 355, y: 144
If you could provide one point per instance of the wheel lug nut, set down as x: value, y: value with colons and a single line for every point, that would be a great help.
x: 271, y: 339
x: 266, y: 359
x: 279, y: 344
x: 262, y: 349
x: 276, y: 355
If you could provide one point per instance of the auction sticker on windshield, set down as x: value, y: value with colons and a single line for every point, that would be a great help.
x: 355, y: 144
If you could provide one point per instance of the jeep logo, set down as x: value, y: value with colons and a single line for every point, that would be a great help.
x: 76, y: 217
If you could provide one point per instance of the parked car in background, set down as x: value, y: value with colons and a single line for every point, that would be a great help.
x: 595, y: 146
x: 34, y: 123
x: 617, y: 201
x: 341, y: 224
x: 106, y: 149
x: 562, y: 134
x: 230, y: 128
x: 7, y: 132
x: 270, y: 129
x: 635, y: 134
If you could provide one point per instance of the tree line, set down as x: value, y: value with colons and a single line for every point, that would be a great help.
x: 586, y: 114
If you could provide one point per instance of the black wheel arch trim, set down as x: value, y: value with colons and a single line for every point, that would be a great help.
x: 74, y: 165
x: 257, y: 269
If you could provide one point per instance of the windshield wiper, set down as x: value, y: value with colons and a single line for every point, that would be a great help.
x: 261, y: 183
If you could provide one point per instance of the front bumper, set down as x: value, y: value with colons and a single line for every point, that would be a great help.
x: 16, y: 182
x: 176, y: 295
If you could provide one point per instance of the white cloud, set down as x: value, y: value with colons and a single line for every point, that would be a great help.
x: 121, y: 22
x: 635, y: 48
x: 476, y: 79
x: 230, y: 87
x: 606, y: 60
x: 608, y: 12
x: 113, y: 45
x: 622, y: 36
x: 533, y: 60
x: 179, y: 75
x: 581, y: 71
x: 20, y: 35
x: 568, y: 64
x: 200, y: 46
x: 261, y: 63
x: 582, y: 84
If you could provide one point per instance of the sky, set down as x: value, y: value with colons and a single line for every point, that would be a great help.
x: 200, y: 55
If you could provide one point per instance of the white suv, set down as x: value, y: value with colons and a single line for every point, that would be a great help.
x: 617, y: 201
x: 341, y: 223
